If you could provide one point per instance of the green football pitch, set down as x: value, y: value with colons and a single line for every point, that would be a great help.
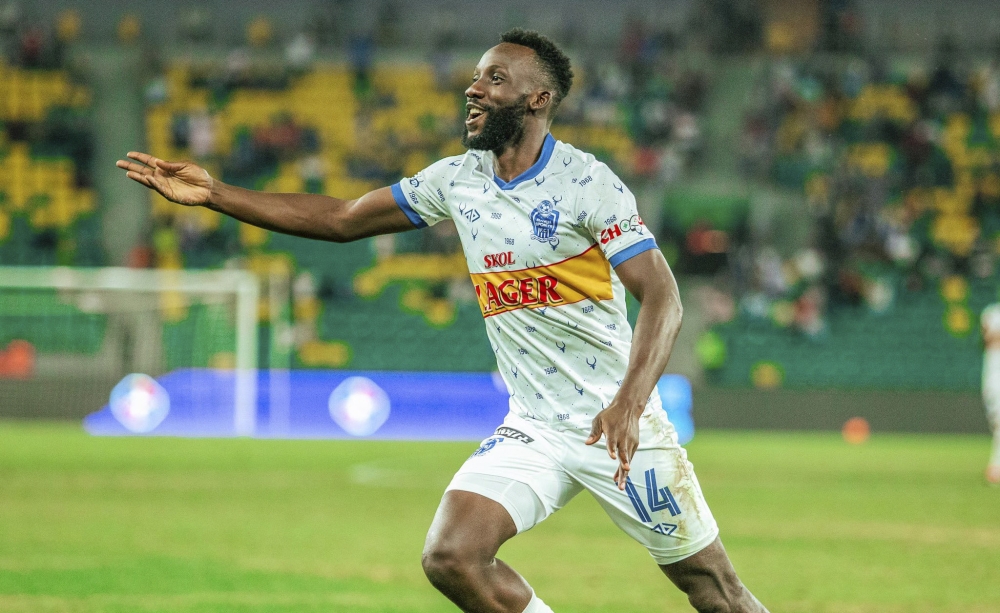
x: 899, y: 524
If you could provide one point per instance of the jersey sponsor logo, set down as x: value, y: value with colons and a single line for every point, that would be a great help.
x: 498, y: 259
x: 545, y: 222
x: 517, y: 435
x: 586, y: 276
x: 632, y: 224
x: 516, y: 293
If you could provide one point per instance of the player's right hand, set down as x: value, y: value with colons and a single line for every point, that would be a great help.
x: 181, y: 182
x: 620, y: 428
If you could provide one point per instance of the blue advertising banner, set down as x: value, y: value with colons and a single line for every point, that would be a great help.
x: 329, y: 404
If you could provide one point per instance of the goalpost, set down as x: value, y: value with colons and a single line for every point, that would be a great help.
x: 68, y: 332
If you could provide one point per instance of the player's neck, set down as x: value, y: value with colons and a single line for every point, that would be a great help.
x: 516, y: 159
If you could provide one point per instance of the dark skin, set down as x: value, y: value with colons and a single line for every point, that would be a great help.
x: 468, y: 529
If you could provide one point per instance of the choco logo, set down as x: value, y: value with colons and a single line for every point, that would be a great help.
x: 632, y: 224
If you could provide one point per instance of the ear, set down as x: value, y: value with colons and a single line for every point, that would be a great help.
x: 540, y: 101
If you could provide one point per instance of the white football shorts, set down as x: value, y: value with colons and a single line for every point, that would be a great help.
x: 533, y: 470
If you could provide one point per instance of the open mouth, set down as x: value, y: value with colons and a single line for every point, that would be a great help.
x: 475, y: 113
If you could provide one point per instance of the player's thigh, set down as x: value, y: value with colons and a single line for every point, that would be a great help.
x: 518, y: 473
x: 662, y: 506
x: 468, y: 526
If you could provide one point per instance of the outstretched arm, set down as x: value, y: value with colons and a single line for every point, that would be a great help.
x: 307, y: 215
x: 649, y: 279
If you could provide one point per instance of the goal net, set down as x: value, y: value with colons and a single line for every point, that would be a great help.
x: 146, y: 344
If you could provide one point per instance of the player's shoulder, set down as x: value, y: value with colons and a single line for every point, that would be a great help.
x: 589, y: 169
x: 452, y: 164
x: 443, y: 174
x: 571, y: 158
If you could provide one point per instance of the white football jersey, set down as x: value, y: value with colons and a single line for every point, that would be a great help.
x: 541, y: 251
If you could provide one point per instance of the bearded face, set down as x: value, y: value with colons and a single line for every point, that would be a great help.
x: 501, y: 126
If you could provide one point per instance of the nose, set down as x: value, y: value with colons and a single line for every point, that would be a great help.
x: 475, y: 91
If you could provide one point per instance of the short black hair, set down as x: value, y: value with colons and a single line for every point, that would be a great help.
x: 554, y: 62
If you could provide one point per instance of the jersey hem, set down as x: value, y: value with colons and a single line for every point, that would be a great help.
x: 401, y: 201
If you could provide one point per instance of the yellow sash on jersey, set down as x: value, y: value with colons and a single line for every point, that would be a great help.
x: 581, y: 277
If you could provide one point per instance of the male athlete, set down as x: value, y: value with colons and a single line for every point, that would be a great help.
x: 552, y: 240
x: 990, y: 324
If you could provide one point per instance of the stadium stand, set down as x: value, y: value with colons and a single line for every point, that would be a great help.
x: 47, y: 207
x: 899, y: 166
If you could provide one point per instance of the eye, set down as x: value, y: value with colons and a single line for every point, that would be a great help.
x: 496, y: 78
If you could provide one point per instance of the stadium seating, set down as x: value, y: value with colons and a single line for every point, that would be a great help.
x: 902, y: 174
x: 47, y: 210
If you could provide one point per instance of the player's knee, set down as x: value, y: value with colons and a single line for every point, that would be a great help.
x: 446, y: 564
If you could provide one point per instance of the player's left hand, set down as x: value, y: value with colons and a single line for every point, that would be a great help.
x: 620, y: 427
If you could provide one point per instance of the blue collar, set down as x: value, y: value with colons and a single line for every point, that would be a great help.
x: 531, y: 173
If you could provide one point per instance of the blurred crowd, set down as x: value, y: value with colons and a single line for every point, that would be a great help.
x: 644, y: 89
x: 896, y: 162
x: 46, y: 144
x: 899, y: 168
x: 638, y: 109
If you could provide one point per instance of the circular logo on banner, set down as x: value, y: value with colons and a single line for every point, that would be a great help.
x: 139, y: 403
x: 359, y: 406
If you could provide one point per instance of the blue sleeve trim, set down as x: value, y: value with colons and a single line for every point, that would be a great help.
x: 632, y: 251
x: 400, y: 198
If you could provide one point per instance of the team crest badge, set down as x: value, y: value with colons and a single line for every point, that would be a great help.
x: 545, y: 222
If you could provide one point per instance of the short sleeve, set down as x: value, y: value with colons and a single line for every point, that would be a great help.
x: 424, y: 196
x: 614, y: 220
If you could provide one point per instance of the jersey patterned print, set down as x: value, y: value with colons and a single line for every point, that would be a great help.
x: 541, y: 251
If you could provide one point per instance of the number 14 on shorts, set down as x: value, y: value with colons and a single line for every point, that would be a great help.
x: 657, y: 498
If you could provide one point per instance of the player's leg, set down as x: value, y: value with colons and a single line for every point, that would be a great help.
x: 663, y: 508
x: 710, y: 582
x: 991, y: 398
x: 460, y: 556
x: 509, y: 485
x: 993, y: 466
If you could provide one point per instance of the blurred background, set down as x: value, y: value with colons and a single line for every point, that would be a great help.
x: 822, y: 175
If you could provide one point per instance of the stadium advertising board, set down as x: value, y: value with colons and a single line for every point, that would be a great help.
x: 330, y: 404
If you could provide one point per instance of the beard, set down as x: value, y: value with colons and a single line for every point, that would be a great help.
x: 504, y: 126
